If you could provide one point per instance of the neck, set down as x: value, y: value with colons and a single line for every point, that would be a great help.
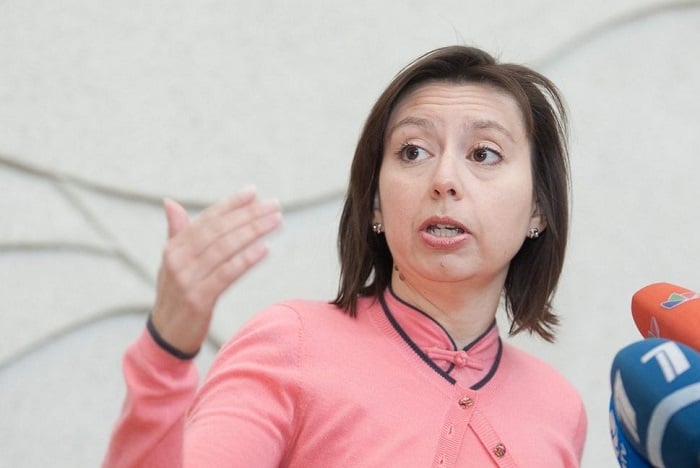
x: 465, y: 312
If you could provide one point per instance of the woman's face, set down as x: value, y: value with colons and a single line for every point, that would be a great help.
x: 455, y: 185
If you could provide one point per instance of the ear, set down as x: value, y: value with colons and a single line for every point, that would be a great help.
x: 377, y: 210
x: 538, y: 220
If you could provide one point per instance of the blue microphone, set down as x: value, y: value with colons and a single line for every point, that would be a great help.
x: 656, y: 398
x: 626, y: 454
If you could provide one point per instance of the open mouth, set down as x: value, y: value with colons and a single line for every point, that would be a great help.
x: 444, y: 230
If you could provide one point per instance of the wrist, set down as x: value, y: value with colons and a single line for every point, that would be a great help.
x: 163, y: 344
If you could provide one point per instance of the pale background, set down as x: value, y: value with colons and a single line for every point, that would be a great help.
x: 106, y: 107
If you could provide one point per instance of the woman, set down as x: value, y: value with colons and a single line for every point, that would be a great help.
x: 457, y: 198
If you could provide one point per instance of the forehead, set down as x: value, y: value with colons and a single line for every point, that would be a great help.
x: 446, y: 103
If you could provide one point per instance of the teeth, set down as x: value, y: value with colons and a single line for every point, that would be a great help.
x: 444, y: 230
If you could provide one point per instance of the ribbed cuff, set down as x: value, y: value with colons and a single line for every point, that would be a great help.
x: 167, y: 346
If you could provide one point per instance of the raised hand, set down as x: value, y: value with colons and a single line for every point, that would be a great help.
x: 202, y: 258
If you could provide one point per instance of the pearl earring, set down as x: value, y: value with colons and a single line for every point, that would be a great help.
x: 378, y: 228
x: 533, y: 233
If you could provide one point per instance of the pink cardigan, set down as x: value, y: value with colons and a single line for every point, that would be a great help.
x: 304, y: 385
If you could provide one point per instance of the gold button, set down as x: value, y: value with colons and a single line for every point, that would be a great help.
x: 499, y: 450
x: 466, y: 402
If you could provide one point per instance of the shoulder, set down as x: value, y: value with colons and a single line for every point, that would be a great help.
x: 267, y: 348
x: 531, y: 370
x: 292, y: 314
x: 279, y: 344
x: 302, y: 333
x: 286, y: 323
x: 549, y: 392
x: 307, y: 314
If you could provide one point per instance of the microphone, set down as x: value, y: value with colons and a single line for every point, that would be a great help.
x: 665, y: 310
x: 656, y: 398
x: 626, y: 455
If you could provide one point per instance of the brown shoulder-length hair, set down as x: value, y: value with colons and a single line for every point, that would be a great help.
x: 365, y: 259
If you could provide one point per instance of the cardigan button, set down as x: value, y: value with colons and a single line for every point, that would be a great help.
x: 466, y: 402
x: 499, y: 450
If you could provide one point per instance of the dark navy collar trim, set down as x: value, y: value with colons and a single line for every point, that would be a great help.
x: 480, y: 337
x: 454, y: 346
x: 391, y: 290
x: 425, y: 358
x: 410, y: 342
x: 493, y: 369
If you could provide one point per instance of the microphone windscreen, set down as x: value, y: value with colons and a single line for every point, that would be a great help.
x: 656, y: 394
x: 625, y: 453
x: 668, y: 311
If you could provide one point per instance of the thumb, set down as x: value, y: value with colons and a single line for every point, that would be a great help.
x: 176, y: 216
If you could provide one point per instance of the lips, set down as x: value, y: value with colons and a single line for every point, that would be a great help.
x: 443, y: 230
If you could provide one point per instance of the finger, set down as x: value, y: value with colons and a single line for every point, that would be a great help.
x: 217, y: 210
x: 233, y: 202
x: 228, y: 272
x: 176, y: 216
x: 237, y: 211
x: 232, y: 243
x: 209, y: 229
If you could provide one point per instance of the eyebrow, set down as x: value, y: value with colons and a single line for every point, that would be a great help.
x: 415, y: 121
x: 492, y: 125
x: 484, y: 124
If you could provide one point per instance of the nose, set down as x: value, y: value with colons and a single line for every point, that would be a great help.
x: 446, y: 182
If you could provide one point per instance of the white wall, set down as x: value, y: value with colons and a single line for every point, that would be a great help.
x: 105, y: 108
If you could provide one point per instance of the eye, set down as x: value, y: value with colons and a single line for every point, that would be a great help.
x: 412, y: 153
x: 486, y: 155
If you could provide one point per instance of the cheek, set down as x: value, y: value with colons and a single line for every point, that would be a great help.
x: 511, y: 211
x: 394, y: 196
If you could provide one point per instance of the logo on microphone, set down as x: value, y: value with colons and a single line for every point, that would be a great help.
x: 676, y: 299
x: 670, y: 359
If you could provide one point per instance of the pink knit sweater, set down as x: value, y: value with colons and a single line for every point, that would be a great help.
x: 304, y: 385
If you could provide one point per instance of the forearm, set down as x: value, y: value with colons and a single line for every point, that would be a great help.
x: 160, y: 389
